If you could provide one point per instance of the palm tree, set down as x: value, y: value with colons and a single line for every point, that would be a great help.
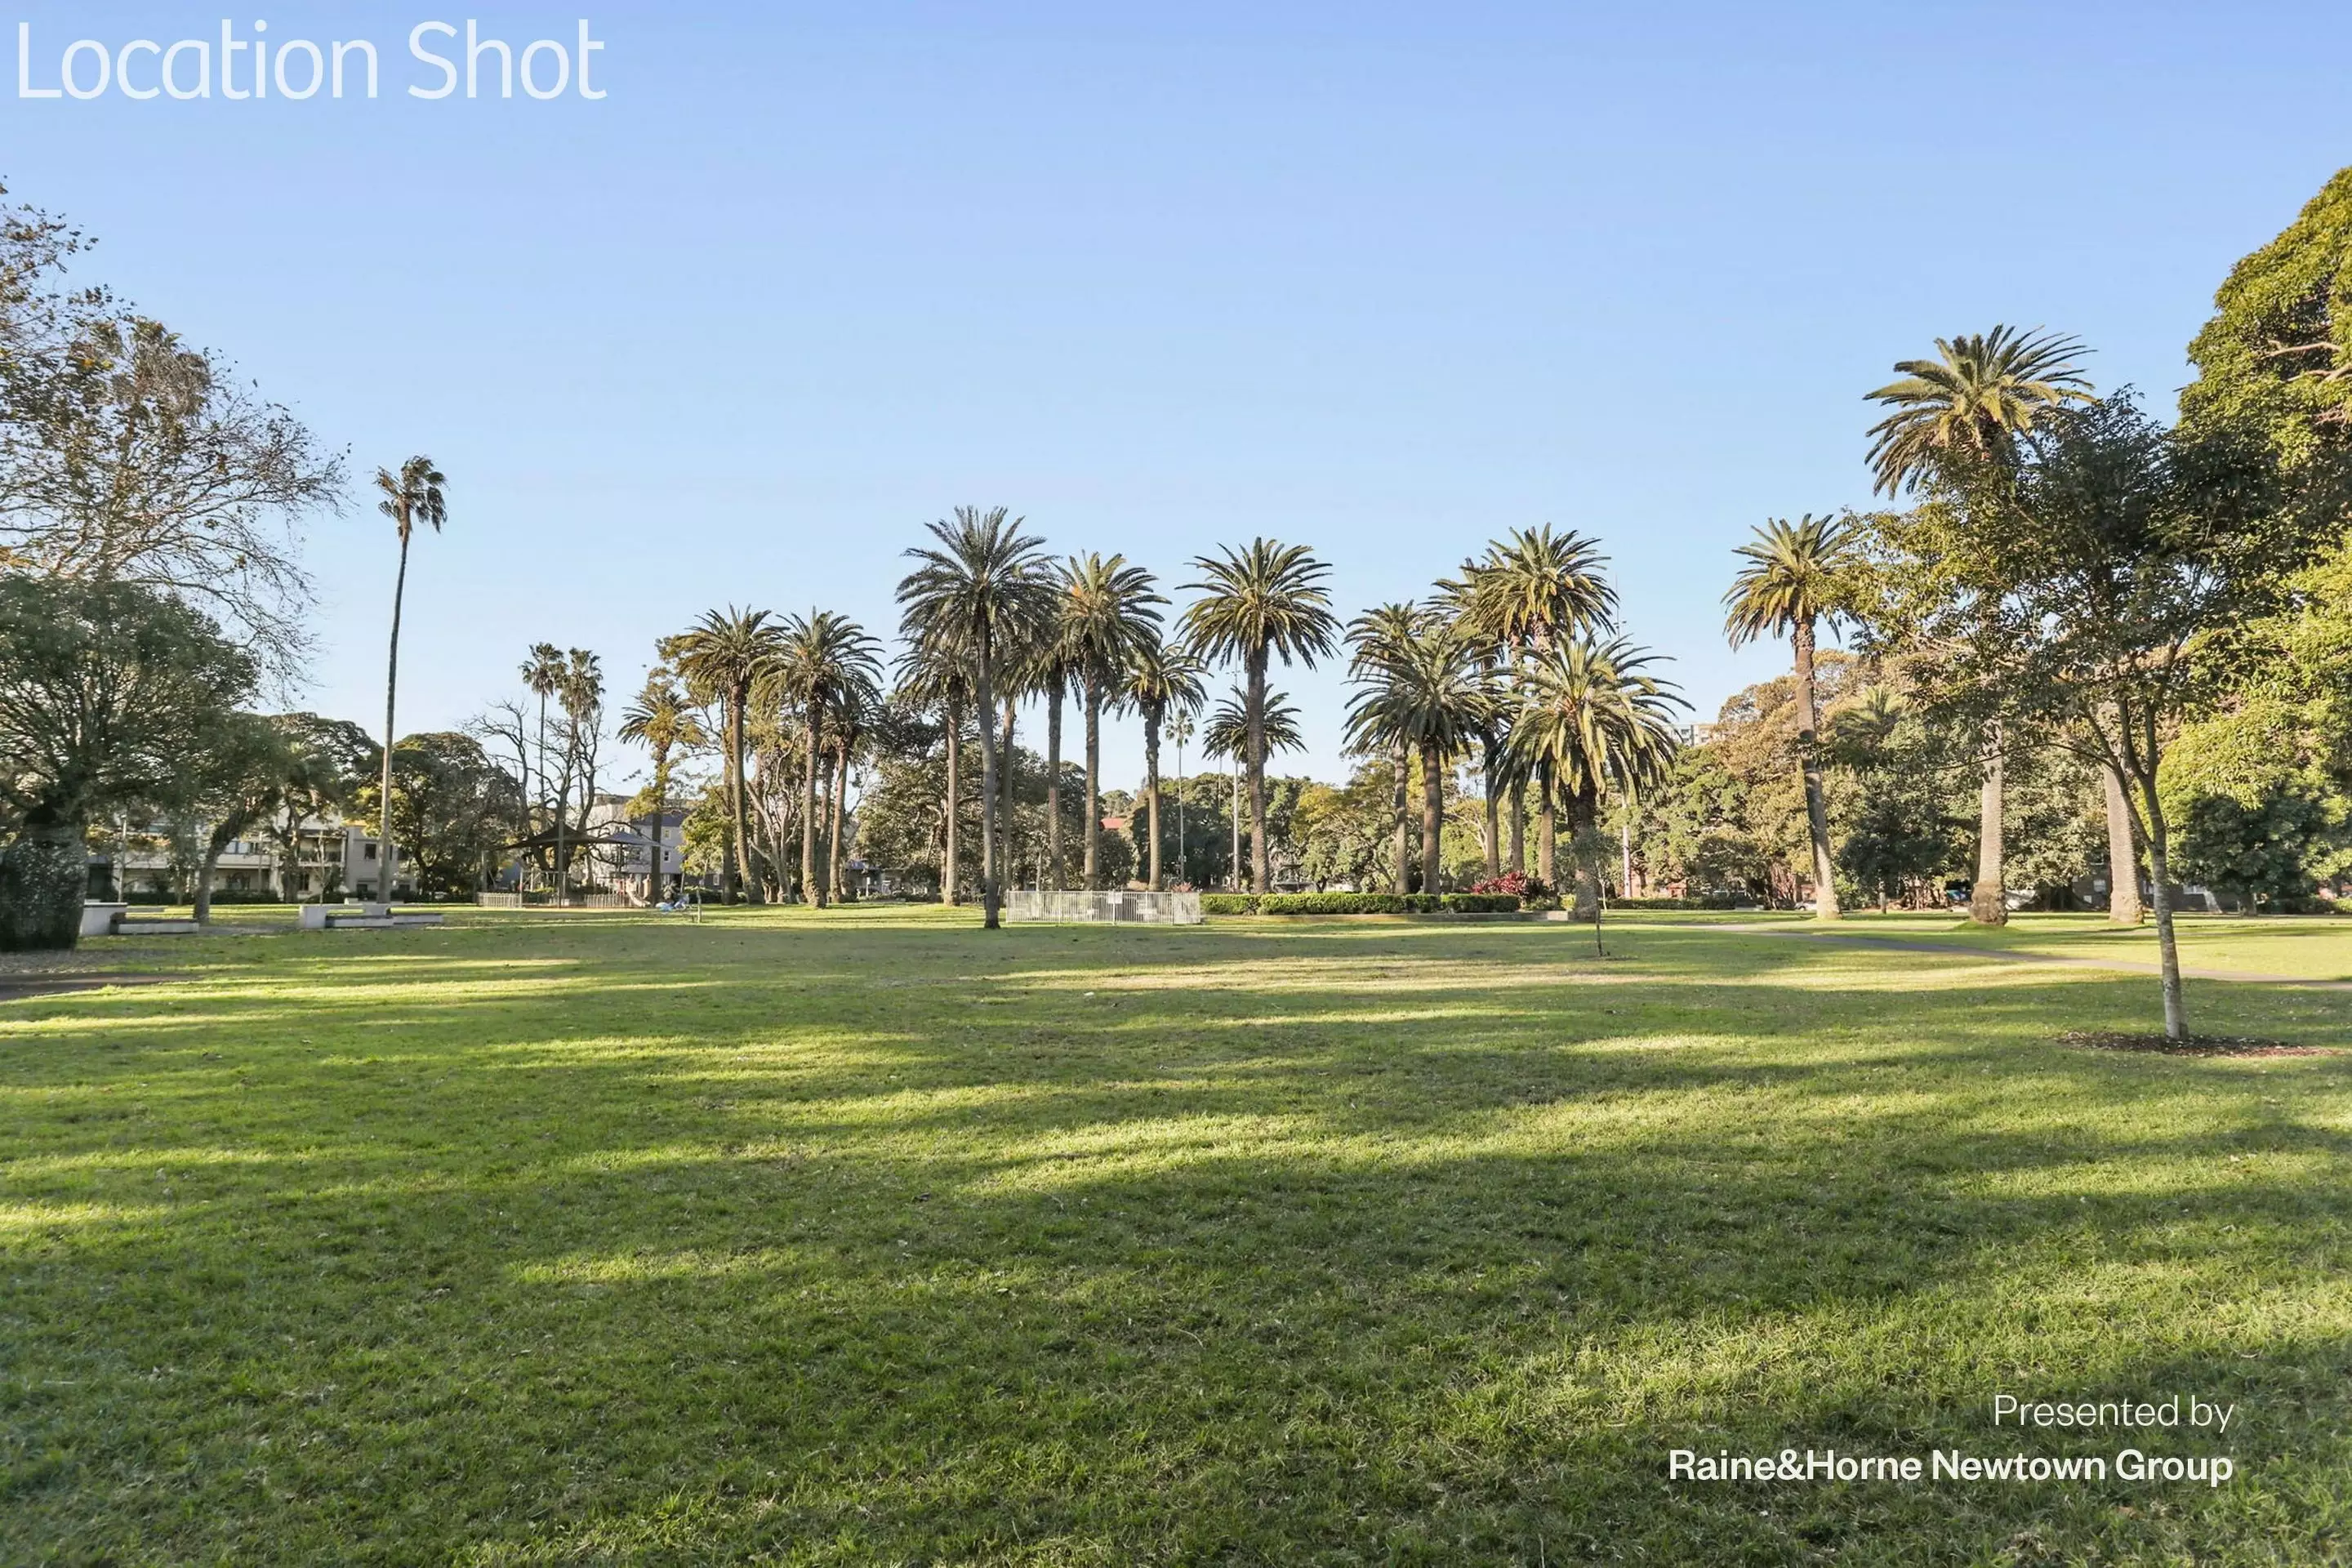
x: 581, y: 697
x: 1531, y: 591
x: 1975, y: 403
x: 720, y: 660
x: 411, y: 496
x: 824, y: 658
x: 1976, y: 400
x: 853, y: 713
x: 543, y: 676
x: 660, y: 720
x: 1109, y: 616
x: 1227, y: 734
x: 1380, y: 636
x: 1261, y: 601
x: 1796, y: 578
x: 934, y: 681
x: 980, y: 591
x: 1430, y: 695
x: 1592, y: 721
x: 1159, y: 681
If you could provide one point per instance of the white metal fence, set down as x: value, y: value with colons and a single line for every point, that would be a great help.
x: 1122, y: 908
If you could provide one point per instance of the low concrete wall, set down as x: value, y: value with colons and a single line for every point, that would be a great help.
x: 1119, y: 909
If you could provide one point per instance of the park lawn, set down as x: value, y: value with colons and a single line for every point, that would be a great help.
x: 2302, y: 947
x: 869, y: 1237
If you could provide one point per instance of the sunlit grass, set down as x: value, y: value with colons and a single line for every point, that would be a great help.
x: 868, y: 1238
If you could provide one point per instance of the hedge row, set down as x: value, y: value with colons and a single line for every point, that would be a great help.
x: 1358, y: 903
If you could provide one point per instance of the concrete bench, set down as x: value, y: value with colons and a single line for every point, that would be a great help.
x: 363, y: 917
x: 97, y: 918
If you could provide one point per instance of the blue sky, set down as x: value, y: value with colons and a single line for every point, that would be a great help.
x: 1382, y: 279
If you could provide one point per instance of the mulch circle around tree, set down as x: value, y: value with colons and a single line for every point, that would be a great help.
x: 2194, y: 1046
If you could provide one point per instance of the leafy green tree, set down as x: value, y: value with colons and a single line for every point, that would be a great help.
x: 106, y: 691
x: 2259, y: 812
x: 235, y: 782
x: 450, y: 804
x: 1797, y: 579
x: 979, y: 593
x: 1263, y: 601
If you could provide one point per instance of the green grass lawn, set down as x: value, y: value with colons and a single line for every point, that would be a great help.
x: 2306, y: 947
x: 870, y: 1238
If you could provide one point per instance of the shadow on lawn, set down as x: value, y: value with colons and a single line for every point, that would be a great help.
x: 584, y: 1270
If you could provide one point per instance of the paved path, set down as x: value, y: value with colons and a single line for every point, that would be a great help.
x: 1954, y: 949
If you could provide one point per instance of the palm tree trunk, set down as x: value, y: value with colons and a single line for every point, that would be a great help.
x: 1237, y: 872
x: 985, y: 695
x: 2122, y: 857
x: 833, y: 848
x: 948, y: 868
x: 1151, y: 788
x: 745, y: 888
x: 1400, y: 811
x: 384, y: 851
x: 1494, y: 805
x: 812, y: 892
x: 1261, y: 874
x: 1547, y: 832
x: 1583, y: 815
x: 1093, y: 868
x: 1988, y: 900
x: 1433, y: 818
x: 654, y: 888
x: 1054, y: 785
x: 1007, y: 873
x: 1519, y: 826
x: 1817, y: 814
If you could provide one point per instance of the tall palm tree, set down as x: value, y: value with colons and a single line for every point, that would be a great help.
x: 1226, y: 734
x: 1795, y: 580
x: 853, y: 715
x: 1377, y: 637
x: 1159, y: 681
x: 410, y: 496
x: 1430, y: 695
x: 1531, y: 591
x: 720, y: 660
x: 1975, y: 400
x: 1593, y: 722
x: 938, y: 681
x: 660, y: 720
x: 581, y: 695
x: 543, y: 676
x: 823, y: 658
x: 1108, y: 615
x: 979, y: 590
x: 1261, y: 601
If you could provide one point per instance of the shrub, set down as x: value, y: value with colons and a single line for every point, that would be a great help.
x: 1481, y: 903
x: 1229, y: 903
x: 1359, y: 904
x: 1334, y: 904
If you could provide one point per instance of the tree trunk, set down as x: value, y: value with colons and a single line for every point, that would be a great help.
x: 1519, y: 826
x: 832, y: 846
x: 653, y: 879
x: 1583, y: 814
x: 1817, y: 814
x: 44, y: 881
x: 2176, y: 1010
x: 1006, y: 871
x: 1094, y: 784
x: 1055, y: 876
x: 948, y: 868
x: 1261, y: 873
x: 985, y: 695
x: 747, y: 875
x: 2122, y: 857
x: 812, y: 891
x: 1546, y: 833
x: 1400, y: 811
x: 206, y: 870
x: 1236, y: 877
x: 384, y: 852
x: 1494, y: 805
x: 1433, y: 818
x: 1151, y: 788
x: 1989, y: 902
